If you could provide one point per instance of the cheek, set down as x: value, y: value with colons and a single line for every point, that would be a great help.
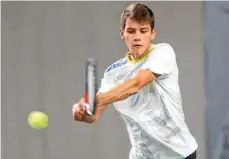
x: 147, y: 37
x: 128, y: 39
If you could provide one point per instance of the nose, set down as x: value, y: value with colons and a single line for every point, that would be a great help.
x: 137, y: 36
x: 136, y: 39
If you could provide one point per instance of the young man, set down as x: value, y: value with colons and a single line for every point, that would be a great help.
x: 143, y: 87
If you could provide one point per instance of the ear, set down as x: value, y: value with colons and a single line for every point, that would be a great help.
x: 153, y: 34
x: 122, y: 34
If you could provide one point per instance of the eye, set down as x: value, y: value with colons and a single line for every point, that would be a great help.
x: 130, y: 31
x: 144, y: 31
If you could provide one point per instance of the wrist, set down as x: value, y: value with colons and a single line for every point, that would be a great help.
x: 90, y: 118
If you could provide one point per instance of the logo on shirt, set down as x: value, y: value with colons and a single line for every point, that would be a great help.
x: 119, y: 78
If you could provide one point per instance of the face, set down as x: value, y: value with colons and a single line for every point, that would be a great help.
x: 138, y: 37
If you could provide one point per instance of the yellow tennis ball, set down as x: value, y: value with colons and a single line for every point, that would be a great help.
x: 38, y: 120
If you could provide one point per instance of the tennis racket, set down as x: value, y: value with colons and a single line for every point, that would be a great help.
x: 91, y: 85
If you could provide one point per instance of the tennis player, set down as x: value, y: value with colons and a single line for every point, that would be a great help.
x: 143, y: 87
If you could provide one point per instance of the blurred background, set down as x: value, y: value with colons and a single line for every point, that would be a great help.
x: 44, y: 48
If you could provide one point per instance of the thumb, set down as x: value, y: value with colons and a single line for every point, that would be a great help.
x: 82, y: 100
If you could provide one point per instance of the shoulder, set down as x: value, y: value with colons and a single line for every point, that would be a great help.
x: 163, y: 46
x: 116, y: 65
x: 163, y: 50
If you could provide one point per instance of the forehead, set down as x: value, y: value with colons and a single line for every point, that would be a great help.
x: 133, y: 23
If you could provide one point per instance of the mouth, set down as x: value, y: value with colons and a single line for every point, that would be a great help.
x: 137, y: 45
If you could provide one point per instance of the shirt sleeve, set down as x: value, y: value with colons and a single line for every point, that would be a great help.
x: 103, y: 88
x: 161, y: 60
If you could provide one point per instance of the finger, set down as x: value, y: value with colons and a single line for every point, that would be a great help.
x: 75, y: 108
x: 78, y: 116
x: 82, y: 100
x: 83, y: 111
x: 77, y: 112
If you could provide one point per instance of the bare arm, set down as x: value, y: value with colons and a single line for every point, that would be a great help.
x: 126, y: 89
x: 118, y: 93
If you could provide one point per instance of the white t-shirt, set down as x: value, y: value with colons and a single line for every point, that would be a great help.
x: 154, y: 116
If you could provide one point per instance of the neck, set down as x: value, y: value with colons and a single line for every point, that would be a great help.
x: 137, y: 56
x: 133, y: 58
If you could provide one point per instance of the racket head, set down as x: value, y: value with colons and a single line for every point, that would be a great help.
x: 91, y: 84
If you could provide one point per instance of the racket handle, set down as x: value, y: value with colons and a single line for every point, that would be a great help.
x: 86, y: 97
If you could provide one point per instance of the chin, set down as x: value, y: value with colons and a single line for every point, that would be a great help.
x: 139, y: 54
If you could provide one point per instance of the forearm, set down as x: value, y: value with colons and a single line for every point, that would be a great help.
x: 118, y: 93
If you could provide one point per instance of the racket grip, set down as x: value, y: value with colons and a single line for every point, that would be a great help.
x: 87, y: 107
x: 85, y: 97
x: 84, y: 102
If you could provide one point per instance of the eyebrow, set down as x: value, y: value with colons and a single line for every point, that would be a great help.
x: 130, y: 28
x: 143, y: 28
